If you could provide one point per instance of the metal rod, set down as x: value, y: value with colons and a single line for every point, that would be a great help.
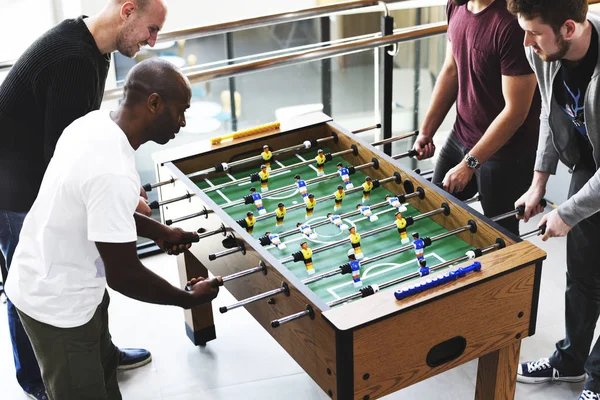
x: 326, y: 221
x: 371, y: 259
x: 368, y: 128
x: 204, y: 212
x: 374, y: 232
x: 505, y: 215
x: 285, y: 168
x: 408, y: 277
x: 222, y: 230
x: 227, y: 252
x: 230, y: 56
x: 409, y: 153
x: 155, y: 204
x: 308, y: 311
x: 396, y: 138
x: 260, y: 268
x: 320, y: 199
x: 284, y: 288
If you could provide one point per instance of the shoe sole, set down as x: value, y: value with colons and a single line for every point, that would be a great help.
x: 136, y: 365
x: 569, y: 379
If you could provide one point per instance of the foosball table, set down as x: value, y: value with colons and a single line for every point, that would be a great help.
x: 369, y: 276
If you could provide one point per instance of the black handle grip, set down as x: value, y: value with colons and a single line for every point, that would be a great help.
x: 543, y: 229
x: 154, y: 205
x: 194, y: 239
x: 147, y: 187
x: 521, y: 209
x: 412, y: 153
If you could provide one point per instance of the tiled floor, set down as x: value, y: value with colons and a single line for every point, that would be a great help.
x: 246, y: 363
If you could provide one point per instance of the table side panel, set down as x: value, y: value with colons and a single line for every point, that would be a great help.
x: 486, y: 315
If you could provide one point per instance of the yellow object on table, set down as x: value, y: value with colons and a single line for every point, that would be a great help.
x: 246, y: 132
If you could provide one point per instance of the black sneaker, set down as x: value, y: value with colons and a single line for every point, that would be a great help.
x: 589, y: 395
x: 541, y: 371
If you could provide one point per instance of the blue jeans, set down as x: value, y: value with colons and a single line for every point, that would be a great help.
x: 28, y: 372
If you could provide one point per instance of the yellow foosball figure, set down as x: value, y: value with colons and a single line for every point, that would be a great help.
x: 355, y: 242
x: 311, y: 202
x: 307, y: 255
x: 280, y: 214
x: 367, y: 187
x: 339, y: 197
x: 264, y: 178
x: 320, y: 159
x: 401, y: 225
x: 266, y: 156
x: 249, y: 222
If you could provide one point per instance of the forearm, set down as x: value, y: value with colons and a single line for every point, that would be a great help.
x: 498, y: 133
x: 139, y: 283
x: 443, y: 97
x: 540, y: 179
x: 149, y: 228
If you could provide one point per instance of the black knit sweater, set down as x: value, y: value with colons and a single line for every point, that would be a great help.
x: 58, y: 79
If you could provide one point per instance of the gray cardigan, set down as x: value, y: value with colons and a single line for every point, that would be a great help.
x: 557, y: 143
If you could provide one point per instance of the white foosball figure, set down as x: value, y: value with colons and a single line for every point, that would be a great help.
x: 306, y: 230
x: 366, y: 211
x: 337, y: 221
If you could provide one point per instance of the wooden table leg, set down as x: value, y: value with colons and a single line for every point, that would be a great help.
x: 199, y: 322
x: 497, y: 374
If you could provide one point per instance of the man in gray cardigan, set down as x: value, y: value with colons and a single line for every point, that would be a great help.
x: 562, y: 46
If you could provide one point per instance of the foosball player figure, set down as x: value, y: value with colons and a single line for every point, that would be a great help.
x: 311, y: 202
x: 301, y: 185
x: 280, y: 214
x: 401, y: 225
x: 339, y: 197
x: 320, y: 159
x: 266, y: 156
x: 423, y: 268
x: 307, y: 255
x: 355, y: 266
x: 345, y: 175
x: 395, y: 202
x: 306, y: 230
x: 337, y: 221
x: 419, y: 245
x: 257, y: 198
x: 355, y: 241
x: 275, y: 240
x: 264, y: 178
x: 367, y: 187
x: 249, y: 222
x: 366, y: 211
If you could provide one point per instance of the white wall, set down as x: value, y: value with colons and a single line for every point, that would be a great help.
x: 22, y: 22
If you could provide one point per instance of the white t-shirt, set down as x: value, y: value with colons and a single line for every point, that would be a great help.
x: 89, y: 194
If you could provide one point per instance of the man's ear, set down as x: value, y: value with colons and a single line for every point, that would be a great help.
x: 155, y: 102
x: 127, y: 10
x: 569, y: 27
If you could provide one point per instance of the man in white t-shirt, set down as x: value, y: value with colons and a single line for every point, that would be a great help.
x: 81, y: 233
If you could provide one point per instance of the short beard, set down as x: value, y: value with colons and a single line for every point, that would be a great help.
x: 563, y: 49
x: 128, y: 50
x: 459, y: 2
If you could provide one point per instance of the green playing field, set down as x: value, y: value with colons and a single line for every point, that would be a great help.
x: 337, y: 286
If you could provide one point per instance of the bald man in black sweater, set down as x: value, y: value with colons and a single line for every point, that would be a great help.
x: 58, y: 79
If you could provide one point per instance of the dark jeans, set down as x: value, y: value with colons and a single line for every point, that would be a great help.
x: 499, y: 182
x: 582, y: 296
x: 28, y: 372
x: 77, y: 363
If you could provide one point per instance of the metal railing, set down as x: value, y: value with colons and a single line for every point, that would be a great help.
x: 402, y: 35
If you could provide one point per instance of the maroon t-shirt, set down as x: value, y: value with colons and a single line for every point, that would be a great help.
x: 486, y: 46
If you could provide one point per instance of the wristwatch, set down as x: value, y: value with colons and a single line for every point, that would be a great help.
x: 472, y: 161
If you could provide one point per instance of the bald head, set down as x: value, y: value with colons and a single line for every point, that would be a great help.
x: 154, y: 75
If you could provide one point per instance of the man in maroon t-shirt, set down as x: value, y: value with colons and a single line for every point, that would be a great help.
x: 497, y: 105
